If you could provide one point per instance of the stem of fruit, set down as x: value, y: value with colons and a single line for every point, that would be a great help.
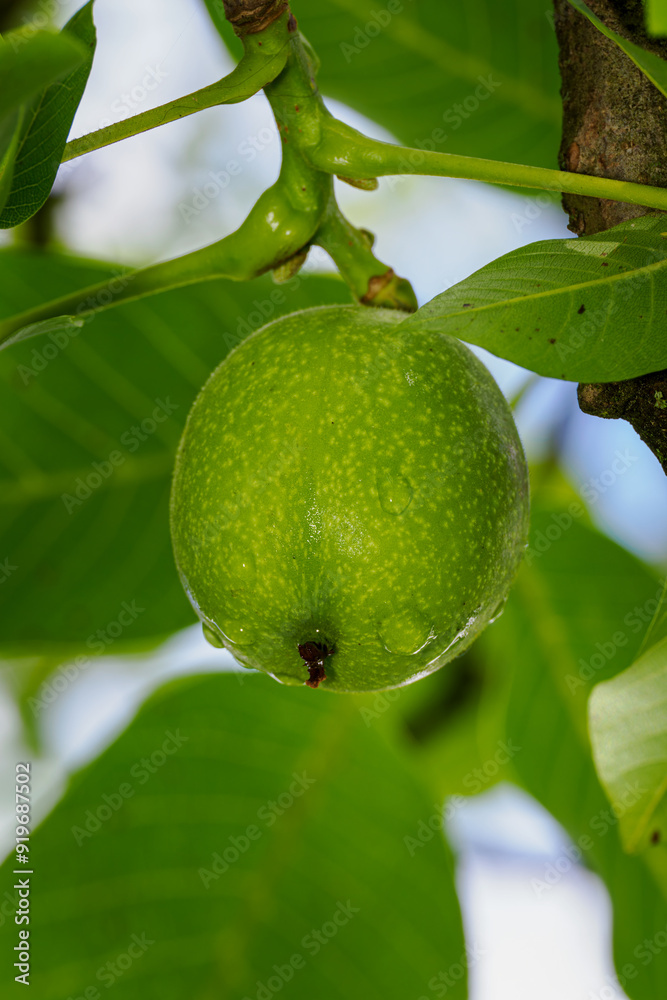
x: 299, y: 112
x: 283, y: 222
x: 344, y: 151
x: 274, y: 231
x: 372, y: 283
x: 263, y: 60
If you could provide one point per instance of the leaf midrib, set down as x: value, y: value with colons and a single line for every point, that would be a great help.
x: 453, y: 62
x: 545, y: 295
x: 49, y: 485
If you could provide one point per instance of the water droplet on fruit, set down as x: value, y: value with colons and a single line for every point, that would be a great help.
x: 394, y: 492
x: 241, y: 567
x: 405, y: 632
x: 497, y: 612
x: 237, y: 634
x: 212, y: 636
x: 462, y: 631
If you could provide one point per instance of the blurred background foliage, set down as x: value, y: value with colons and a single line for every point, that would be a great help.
x: 387, y: 768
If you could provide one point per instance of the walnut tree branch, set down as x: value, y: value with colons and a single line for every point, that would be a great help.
x: 615, y: 126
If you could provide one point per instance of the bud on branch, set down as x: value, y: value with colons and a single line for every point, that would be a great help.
x: 247, y: 17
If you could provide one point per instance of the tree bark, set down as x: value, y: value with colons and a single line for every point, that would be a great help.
x: 614, y: 125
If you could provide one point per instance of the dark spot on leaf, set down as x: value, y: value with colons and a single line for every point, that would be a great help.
x: 552, y: 340
x: 655, y: 837
x: 605, y: 263
x: 516, y: 329
x: 537, y: 329
x: 581, y: 309
x: 467, y: 305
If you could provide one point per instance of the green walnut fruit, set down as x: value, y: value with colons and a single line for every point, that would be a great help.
x: 350, y: 500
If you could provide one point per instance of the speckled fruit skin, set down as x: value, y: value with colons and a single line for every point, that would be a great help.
x: 346, y: 481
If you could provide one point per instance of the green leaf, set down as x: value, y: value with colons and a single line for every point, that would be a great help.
x: 45, y: 127
x: 628, y: 720
x: 651, y: 65
x: 657, y: 630
x: 273, y: 824
x: 89, y: 421
x: 9, y: 141
x: 589, y: 309
x: 572, y: 619
x: 440, y: 75
x: 30, y: 62
x: 656, y: 16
